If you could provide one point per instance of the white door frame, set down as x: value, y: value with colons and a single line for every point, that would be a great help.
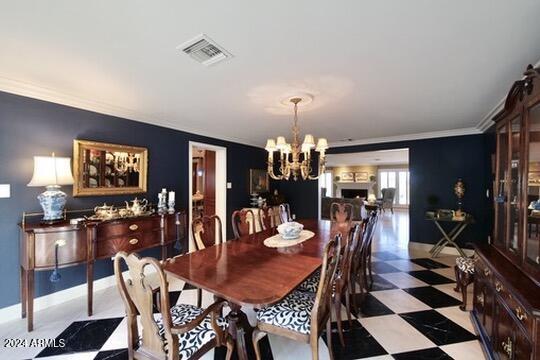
x: 221, y: 185
x: 396, y: 198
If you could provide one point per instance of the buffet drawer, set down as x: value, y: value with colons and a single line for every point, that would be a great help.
x: 71, y: 248
x: 108, y: 247
x: 125, y: 227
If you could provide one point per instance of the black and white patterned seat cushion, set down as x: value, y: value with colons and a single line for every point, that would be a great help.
x: 312, y: 283
x: 191, y: 341
x: 465, y: 264
x: 293, y: 312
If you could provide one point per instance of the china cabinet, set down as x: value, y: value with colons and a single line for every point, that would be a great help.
x: 506, y: 306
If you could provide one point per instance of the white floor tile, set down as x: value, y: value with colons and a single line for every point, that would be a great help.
x: 405, y: 265
x: 462, y: 318
x: 394, y: 334
x: 471, y: 350
x: 399, y: 301
x: 403, y: 280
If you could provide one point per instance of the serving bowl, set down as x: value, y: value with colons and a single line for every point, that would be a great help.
x: 290, y: 230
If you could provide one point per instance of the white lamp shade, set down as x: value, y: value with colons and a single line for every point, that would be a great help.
x: 287, y: 149
x: 51, y: 170
x: 322, y: 144
x: 309, y: 142
x: 281, y: 143
x: 306, y: 148
x: 270, y: 145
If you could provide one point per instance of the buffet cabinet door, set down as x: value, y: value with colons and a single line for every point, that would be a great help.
x: 503, y: 339
x: 532, y: 188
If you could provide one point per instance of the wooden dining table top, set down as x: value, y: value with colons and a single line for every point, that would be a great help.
x: 246, y: 272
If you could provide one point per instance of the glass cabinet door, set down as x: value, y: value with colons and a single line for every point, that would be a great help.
x: 532, y: 228
x: 514, y: 187
x: 501, y: 195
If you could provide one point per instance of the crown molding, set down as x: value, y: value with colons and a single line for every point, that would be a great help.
x: 487, y: 121
x: 39, y: 92
x: 409, y: 137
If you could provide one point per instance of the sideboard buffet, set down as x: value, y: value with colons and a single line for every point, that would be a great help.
x: 47, y: 247
x: 506, y: 302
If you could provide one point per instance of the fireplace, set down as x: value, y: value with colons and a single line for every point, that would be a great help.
x: 353, y: 193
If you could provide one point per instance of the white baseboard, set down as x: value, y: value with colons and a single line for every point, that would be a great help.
x: 13, y: 312
x: 448, y: 250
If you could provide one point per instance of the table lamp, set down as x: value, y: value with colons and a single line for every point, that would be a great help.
x: 371, y: 198
x: 52, y: 172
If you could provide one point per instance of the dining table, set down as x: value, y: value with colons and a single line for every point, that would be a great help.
x: 247, y: 273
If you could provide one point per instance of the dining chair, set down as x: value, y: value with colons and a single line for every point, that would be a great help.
x: 301, y: 316
x: 363, y: 265
x: 243, y: 222
x: 341, y: 217
x: 207, y: 231
x: 342, y: 287
x: 267, y: 218
x: 285, y: 213
x: 179, y: 332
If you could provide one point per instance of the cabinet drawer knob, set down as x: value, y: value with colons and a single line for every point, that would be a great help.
x: 507, y: 347
x: 520, y: 314
x: 133, y: 227
x: 133, y: 241
x: 487, y: 272
x: 480, y: 299
x: 498, y: 286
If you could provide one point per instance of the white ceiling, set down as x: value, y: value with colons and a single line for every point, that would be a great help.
x: 376, y: 68
x: 382, y: 157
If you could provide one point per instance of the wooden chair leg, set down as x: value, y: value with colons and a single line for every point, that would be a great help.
x: 458, y: 281
x: 314, y: 348
x: 464, y: 283
x: 329, y: 338
x: 230, y: 348
x: 337, y: 308
x: 348, y: 304
x: 199, y: 298
x: 256, y: 337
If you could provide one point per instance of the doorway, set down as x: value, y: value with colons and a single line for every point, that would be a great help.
x: 207, y: 183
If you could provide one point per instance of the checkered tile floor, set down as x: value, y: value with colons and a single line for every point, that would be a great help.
x: 411, y: 313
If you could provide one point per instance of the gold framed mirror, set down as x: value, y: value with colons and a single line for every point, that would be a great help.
x: 108, y: 169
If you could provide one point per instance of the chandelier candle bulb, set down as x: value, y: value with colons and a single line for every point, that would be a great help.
x: 171, y: 197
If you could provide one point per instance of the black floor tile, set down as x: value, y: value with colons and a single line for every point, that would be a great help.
x: 358, y: 342
x: 89, y: 335
x: 380, y: 284
x: 369, y: 306
x: 437, y: 328
x: 380, y: 267
x: 433, y: 297
x: 430, y: 277
x: 424, y: 354
x: 429, y: 263
x: 188, y: 286
x: 385, y: 255
x: 119, y: 354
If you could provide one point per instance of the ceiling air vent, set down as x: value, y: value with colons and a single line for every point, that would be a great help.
x: 204, y: 50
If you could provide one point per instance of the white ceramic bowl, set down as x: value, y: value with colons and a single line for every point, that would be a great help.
x: 290, y: 230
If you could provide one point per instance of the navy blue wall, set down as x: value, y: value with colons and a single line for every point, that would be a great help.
x: 31, y: 127
x: 435, y: 165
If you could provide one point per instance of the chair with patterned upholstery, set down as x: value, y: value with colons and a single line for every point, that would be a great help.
x: 267, y: 218
x: 285, y: 213
x: 179, y: 332
x: 342, y: 286
x: 243, y: 223
x: 464, y: 269
x: 302, y: 316
x: 207, y: 231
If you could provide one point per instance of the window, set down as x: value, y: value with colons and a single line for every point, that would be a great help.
x: 326, y: 185
x: 398, y: 179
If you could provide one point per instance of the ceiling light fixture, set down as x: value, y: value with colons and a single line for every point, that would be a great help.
x: 295, y: 158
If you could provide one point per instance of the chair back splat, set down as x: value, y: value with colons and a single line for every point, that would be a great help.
x: 285, y: 213
x: 243, y: 223
x: 323, y: 300
x: 207, y: 231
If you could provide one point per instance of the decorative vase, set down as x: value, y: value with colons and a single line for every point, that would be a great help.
x: 459, y: 190
x: 52, y: 201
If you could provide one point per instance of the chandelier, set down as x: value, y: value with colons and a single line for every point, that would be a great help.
x: 295, y: 159
x: 126, y: 162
